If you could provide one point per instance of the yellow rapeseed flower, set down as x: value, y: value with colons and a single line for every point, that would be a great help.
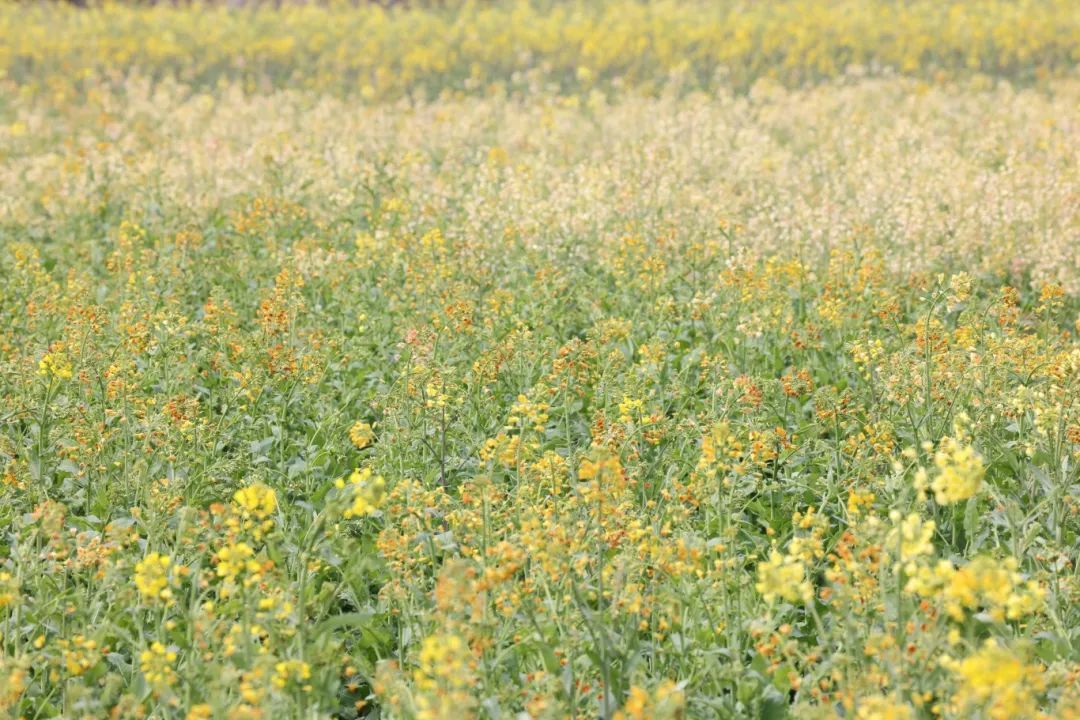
x: 258, y: 500
x: 366, y: 492
x: 997, y: 681
x: 156, y: 664
x: 55, y: 365
x: 883, y: 708
x: 292, y: 673
x: 959, y: 473
x: 361, y: 434
x: 783, y: 577
x: 152, y: 578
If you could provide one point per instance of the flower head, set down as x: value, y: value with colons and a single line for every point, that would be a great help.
x: 152, y: 578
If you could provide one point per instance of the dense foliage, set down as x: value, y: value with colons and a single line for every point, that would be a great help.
x: 540, y: 361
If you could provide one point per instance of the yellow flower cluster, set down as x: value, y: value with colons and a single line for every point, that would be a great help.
x: 883, y: 708
x: 959, y: 473
x: 995, y: 681
x: 443, y: 674
x: 910, y: 538
x: 603, y: 468
x: 14, y: 679
x: 256, y: 501
x: 153, y: 579
x: 665, y: 702
x: 783, y: 577
x: 995, y: 587
x: 365, y: 492
x: 9, y: 589
x: 720, y: 450
x: 237, y: 562
x: 528, y: 414
x: 254, y: 507
x: 79, y: 654
x: 630, y: 409
x: 157, y: 666
x: 443, y: 657
x: 292, y: 673
x: 361, y: 434
x: 55, y: 365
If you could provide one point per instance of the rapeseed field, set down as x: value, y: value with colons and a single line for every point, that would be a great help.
x: 607, y: 359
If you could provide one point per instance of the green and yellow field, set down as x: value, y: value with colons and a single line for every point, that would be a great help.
x: 617, y: 359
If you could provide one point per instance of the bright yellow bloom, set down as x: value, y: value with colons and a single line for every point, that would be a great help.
x: 156, y: 664
x: 995, y: 586
x: 202, y: 711
x: 605, y: 469
x: 292, y: 672
x: 995, y: 680
x: 152, y: 577
x: 910, y: 537
x: 367, y: 492
x: 258, y: 500
x: 56, y: 365
x: 9, y: 589
x: 235, y: 559
x: 784, y: 577
x: 630, y: 409
x: 79, y: 654
x: 667, y: 701
x: 444, y: 659
x: 361, y: 434
x: 959, y: 475
x: 858, y: 501
x: 985, y: 584
x: 930, y: 580
x: 525, y: 412
x: 14, y: 679
x: 883, y: 708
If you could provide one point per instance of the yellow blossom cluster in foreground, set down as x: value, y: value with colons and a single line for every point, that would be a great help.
x: 620, y: 360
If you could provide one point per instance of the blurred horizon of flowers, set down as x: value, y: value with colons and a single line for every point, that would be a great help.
x: 382, y: 51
